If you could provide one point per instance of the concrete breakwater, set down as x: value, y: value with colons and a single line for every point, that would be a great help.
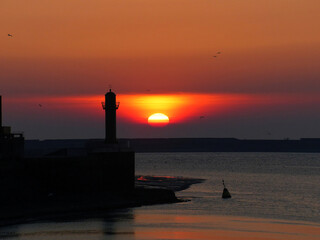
x: 80, y: 206
x: 46, y: 187
x: 33, y: 178
x: 98, y: 175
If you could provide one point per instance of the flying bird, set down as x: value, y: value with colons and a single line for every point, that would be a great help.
x: 218, y: 52
x: 201, y: 117
x: 10, y: 35
x: 39, y: 105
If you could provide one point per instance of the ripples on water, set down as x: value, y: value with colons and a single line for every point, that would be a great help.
x: 270, y: 193
x: 272, y: 185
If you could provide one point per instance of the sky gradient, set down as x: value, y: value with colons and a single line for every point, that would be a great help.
x: 65, y: 55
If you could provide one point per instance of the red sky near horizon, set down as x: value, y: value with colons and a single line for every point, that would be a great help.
x: 158, y: 56
x: 190, y: 114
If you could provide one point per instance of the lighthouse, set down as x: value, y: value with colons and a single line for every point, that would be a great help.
x: 110, y: 106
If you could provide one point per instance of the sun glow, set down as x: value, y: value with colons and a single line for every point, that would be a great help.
x: 158, y: 120
x: 140, y: 107
x: 137, y: 108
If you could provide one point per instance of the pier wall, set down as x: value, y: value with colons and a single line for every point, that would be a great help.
x: 34, y: 179
x: 112, y: 171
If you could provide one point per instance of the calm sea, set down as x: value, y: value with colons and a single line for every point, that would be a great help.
x: 269, y: 191
x: 268, y: 185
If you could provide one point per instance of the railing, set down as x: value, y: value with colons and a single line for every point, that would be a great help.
x: 14, y: 135
x: 104, y: 105
x: 18, y: 134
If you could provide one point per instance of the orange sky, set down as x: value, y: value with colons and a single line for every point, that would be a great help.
x: 150, y: 47
x: 144, y: 28
x: 81, y: 47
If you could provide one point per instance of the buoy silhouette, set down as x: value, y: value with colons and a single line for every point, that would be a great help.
x: 225, y: 193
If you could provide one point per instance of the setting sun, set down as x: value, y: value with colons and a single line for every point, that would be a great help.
x: 158, y: 120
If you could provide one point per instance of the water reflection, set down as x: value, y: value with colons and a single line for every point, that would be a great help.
x: 151, y: 223
x: 157, y: 225
x: 102, y: 225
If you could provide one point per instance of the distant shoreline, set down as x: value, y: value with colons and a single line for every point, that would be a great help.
x: 140, y: 145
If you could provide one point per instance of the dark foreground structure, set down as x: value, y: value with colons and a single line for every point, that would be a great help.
x: 11, y: 144
x: 97, y: 166
x: 99, y: 175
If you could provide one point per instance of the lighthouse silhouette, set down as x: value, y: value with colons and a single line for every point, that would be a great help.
x: 110, y: 106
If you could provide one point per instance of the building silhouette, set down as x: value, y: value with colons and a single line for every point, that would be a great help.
x: 11, y: 144
x: 110, y: 106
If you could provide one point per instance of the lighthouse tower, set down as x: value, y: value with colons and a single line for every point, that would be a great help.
x: 110, y: 106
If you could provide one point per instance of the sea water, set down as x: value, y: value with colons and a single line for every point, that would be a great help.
x: 274, y: 196
x: 268, y: 185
